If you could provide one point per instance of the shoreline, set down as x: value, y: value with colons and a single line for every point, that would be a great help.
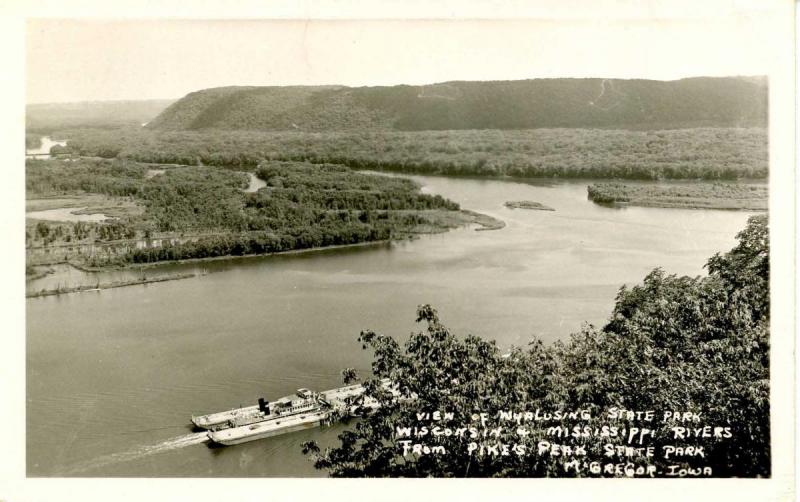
x: 716, y: 196
x: 556, y: 180
x: 39, y: 274
x: 661, y: 205
x: 107, y: 285
x: 187, y: 261
x: 484, y: 221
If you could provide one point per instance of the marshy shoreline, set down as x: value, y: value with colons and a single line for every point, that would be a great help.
x: 722, y: 196
x: 108, y: 285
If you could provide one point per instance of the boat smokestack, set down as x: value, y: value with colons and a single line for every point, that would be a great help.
x: 263, y: 405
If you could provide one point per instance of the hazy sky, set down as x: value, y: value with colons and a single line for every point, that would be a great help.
x: 78, y: 60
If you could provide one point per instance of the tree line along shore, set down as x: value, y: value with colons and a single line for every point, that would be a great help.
x: 697, y: 153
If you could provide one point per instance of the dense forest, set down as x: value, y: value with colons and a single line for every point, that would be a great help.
x: 110, y: 177
x: 200, y: 212
x: 710, y: 153
x: 303, y: 206
x: 520, y: 104
x: 695, y: 344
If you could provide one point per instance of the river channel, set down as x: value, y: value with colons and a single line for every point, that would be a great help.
x: 113, y: 376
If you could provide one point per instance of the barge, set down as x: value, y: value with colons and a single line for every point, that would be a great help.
x: 303, y: 410
x: 269, y: 428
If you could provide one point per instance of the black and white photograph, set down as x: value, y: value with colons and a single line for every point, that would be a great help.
x: 555, y: 242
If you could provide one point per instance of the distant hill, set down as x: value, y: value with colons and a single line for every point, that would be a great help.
x: 45, y: 118
x: 519, y: 104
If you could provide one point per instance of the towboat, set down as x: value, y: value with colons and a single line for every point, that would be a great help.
x: 303, y: 410
x: 303, y: 400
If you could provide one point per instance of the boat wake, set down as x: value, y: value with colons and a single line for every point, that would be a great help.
x: 141, y: 451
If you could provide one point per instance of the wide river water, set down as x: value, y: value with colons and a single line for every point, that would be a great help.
x: 114, y: 376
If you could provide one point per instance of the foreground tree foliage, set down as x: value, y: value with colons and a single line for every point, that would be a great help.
x: 672, y: 344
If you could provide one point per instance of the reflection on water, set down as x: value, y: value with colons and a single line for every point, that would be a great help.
x: 114, y: 371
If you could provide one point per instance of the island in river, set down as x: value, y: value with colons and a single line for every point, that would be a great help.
x: 745, y: 196
x: 527, y: 204
x: 96, y: 213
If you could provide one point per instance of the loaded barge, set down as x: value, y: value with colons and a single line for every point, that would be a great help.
x: 303, y: 410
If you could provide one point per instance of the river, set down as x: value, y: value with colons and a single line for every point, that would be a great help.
x: 43, y: 151
x: 113, y: 376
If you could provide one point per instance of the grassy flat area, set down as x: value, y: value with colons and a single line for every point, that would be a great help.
x: 696, y: 196
x: 94, y: 203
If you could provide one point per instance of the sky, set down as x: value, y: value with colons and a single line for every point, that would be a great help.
x: 95, y: 59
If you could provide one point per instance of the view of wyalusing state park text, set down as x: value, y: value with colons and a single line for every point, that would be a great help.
x: 528, y: 277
